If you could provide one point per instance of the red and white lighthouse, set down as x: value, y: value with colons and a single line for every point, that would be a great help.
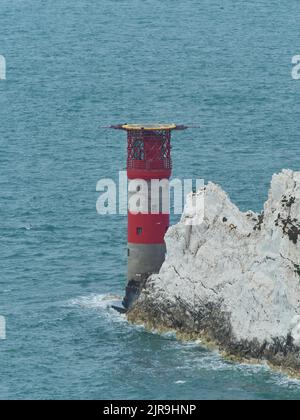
x: 148, y: 158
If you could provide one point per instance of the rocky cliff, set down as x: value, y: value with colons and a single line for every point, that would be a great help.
x: 234, y: 279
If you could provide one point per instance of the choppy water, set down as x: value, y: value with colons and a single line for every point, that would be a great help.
x: 72, y: 66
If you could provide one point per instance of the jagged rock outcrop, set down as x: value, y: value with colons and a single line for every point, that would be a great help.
x: 234, y: 279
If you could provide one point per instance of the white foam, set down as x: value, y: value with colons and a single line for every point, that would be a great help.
x: 95, y: 301
x: 285, y: 381
x: 26, y: 226
x: 102, y: 304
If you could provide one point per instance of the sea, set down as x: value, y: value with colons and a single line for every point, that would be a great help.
x: 72, y: 67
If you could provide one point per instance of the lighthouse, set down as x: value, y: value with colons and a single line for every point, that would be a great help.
x: 148, y: 159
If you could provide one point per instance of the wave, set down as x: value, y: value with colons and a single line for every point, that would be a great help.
x: 102, y: 304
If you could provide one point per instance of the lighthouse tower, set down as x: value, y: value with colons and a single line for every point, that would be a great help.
x: 148, y: 158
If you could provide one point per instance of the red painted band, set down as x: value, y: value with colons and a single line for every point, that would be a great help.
x: 147, y: 228
x: 147, y: 175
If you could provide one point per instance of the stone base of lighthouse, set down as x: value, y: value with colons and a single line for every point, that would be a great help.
x: 143, y: 260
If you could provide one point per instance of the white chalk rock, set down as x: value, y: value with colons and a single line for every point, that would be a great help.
x: 248, y: 264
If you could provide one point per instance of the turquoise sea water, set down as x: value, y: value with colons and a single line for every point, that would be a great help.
x: 71, y: 67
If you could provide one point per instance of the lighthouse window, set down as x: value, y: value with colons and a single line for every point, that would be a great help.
x: 139, y: 231
x: 138, y: 150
